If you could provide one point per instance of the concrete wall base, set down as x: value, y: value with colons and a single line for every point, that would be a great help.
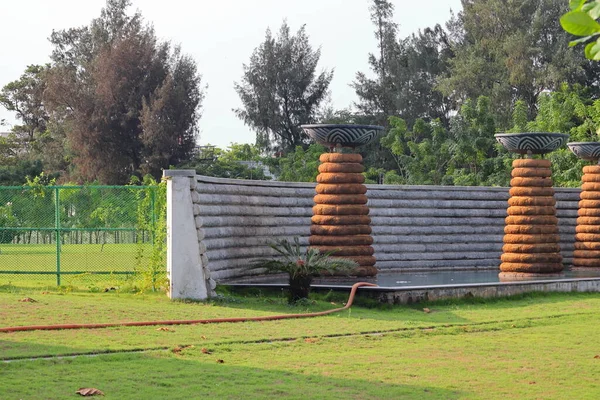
x: 416, y: 294
x: 189, y: 277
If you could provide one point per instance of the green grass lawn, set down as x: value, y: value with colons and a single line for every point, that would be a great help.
x: 536, y: 346
x: 17, y: 261
x: 73, y: 257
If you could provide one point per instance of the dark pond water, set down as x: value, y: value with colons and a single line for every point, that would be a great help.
x: 400, y: 279
x: 413, y: 279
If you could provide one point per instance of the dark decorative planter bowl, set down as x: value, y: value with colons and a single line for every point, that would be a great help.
x: 586, y: 150
x: 532, y: 142
x: 332, y: 135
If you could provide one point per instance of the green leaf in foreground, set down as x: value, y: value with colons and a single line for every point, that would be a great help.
x: 576, y: 4
x: 592, y: 9
x: 579, y: 23
x: 592, y: 50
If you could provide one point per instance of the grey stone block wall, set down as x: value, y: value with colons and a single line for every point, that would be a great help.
x: 414, y: 227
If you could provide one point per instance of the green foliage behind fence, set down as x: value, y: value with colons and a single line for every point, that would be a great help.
x: 73, y: 231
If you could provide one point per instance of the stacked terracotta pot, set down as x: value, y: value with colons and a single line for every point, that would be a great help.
x: 531, y: 232
x: 341, y: 221
x: 587, y: 237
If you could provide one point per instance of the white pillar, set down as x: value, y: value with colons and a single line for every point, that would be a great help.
x: 187, y: 278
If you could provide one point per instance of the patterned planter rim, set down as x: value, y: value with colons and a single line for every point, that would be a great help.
x: 532, y: 142
x: 585, y: 150
x: 345, y: 135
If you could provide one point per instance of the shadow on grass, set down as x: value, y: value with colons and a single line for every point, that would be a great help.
x: 14, y: 350
x: 369, y: 300
x: 87, y: 282
x: 367, y: 307
x: 513, y: 301
x: 363, y: 308
x: 269, y: 302
x: 163, y: 375
x: 9, y: 286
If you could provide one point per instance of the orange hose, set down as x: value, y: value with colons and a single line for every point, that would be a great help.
x: 186, y: 322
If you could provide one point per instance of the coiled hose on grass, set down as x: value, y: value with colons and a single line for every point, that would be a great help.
x: 187, y: 322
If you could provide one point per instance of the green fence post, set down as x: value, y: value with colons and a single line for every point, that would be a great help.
x: 57, y: 226
x: 153, y: 211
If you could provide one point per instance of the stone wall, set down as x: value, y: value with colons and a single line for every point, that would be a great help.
x: 414, y: 227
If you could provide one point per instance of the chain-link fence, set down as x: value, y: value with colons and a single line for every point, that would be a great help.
x: 63, y: 233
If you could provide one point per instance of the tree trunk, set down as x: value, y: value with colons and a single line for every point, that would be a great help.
x: 299, y: 288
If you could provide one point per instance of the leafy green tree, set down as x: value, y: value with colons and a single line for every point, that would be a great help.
x: 281, y: 90
x: 511, y: 50
x: 466, y: 154
x: 301, y: 165
x: 519, y: 117
x: 242, y: 152
x: 382, y: 177
x: 33, y: 207
x: 406, y: 71
x: 39, y: 139
x: 52, y: 148
x: 16, y: 174
x: 238, y: 161
x: 25, y: 147
x: 474, y: 149
x: 422, y: 153
x: 25, y: 98
x: 9, y: 150
x: 566, y: 168
x: 428, y: 54
x: 7, y: 219
x: 375, y: 98
x: 569, y: 110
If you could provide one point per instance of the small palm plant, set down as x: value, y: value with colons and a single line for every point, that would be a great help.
x: 302, y: 266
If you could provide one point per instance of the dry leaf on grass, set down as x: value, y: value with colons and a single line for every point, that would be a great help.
x: 311, y: 340
x: 165, y: 329
x: 597, y: 356
x: 219, y: 361
x: 178, y: 349
x: 206, y: 351
x: 28, y: 300
x: 90, y: 392
x: 203, y: 337
x: 426, y: 310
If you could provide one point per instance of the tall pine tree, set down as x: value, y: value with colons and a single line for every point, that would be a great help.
x: 281, y: 90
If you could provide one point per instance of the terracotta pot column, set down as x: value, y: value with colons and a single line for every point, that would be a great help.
x: 531, y: 240
x: 587, y: 236
x: 340, y: 221
x: 531, y: 232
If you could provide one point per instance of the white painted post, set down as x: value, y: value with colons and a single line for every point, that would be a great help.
x: 185, y: 271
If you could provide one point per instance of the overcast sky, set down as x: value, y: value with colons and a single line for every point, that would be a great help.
x: 220, y: 35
